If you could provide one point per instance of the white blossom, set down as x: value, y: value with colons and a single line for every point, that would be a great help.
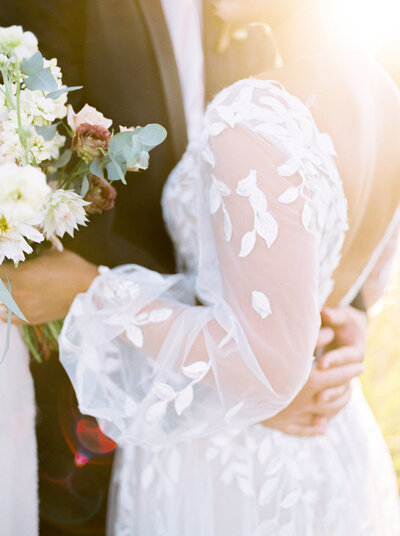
x: 13, y: 239
x: 63, y: 213
x: 14, y: 41
x: 23, y: 191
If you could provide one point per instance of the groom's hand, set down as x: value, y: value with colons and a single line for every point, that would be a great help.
x: 342, y: 340
x: 45, y: 287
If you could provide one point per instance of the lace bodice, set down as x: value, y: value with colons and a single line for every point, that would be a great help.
x: 267, y: 109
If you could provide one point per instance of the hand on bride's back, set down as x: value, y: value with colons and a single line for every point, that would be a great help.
x: 328, y: 389
x: 45, y: 287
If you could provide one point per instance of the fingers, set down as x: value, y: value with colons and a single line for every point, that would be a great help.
x: 344, y: 355
x: 326, y: 336
x: 329, y: 395
x: 334, y: 317
x: 332, y: 408
x: 335, y: 376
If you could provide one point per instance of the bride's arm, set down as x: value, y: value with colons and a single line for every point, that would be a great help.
x: 154, y: 369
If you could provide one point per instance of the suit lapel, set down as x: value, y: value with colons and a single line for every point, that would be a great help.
x: 164, y: 53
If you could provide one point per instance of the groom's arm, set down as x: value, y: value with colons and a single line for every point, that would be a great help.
x: 45, y: 287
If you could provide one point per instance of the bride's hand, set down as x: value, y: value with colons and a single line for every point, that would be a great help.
x: 328, y: 389
x: 45, y: 287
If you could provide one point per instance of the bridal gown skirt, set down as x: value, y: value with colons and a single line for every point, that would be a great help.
x: 261, y: 482
x: 18, y: 462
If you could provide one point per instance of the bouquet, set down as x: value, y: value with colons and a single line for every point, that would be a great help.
x: 57, y: 167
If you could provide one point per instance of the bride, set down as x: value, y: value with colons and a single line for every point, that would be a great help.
x: 272, y: 218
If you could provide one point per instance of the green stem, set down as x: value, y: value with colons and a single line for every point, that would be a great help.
x: 22, y: 137
x: 74, y: 173
x: 30, y: 345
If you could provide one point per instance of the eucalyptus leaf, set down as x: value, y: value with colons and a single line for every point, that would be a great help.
x: 121, y: 148
x: 8, y: 301
x: 84, y: 187
x: 144, y: 158
x: 63, y: 159
x: 43, y: 81
x: 152, y: 135
x: 96, y: 168
x: 61, y: 91
x: 47, y: 133
x: 116, y: 171
x: 33, y: 65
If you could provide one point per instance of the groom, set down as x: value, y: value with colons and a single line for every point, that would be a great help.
x: 140, y: 61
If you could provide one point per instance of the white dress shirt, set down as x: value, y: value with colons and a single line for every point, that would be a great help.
x: 184, y: 19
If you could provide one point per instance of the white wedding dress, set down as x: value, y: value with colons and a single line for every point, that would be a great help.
x: 18, y: 462
x: 258, y: 215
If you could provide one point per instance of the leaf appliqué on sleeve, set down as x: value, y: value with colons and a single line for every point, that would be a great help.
x: 265, y: 224
x: 219, y: 190
x: 261, y: 304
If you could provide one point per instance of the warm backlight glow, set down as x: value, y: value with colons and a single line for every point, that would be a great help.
x: 374, y: 23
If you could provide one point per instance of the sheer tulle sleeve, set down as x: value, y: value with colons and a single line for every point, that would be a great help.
x: 155, y: 366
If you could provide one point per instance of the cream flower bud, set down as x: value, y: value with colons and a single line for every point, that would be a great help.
x: 88, y: 115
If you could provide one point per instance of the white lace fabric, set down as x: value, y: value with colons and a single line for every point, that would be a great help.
x: 258, y: 215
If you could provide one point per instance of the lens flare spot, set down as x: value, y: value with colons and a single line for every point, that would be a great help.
x: 92, y: 438
x: 80, y: 459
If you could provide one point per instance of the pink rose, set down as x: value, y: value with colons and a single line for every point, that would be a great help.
x: 88, y: 115
x: 89, y: 139
x: 101, y: 196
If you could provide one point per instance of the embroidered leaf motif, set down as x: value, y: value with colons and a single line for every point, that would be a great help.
x: 216, y: 128
x: 267, y: 228
x: 142, y: 319
x: 135, y: 335
x: 160, y: 315
x: 234, y: 411
x: 246, y: 186
x: 248, y: 243
x: 245, y: 486
x: 261, y: 304
x: 184, y: 399
x: 291, y: 499
x: 164, y: 391
x: 267, y: 490
x: 289, y: 196
x: 219, y: 190
x: 156, y: 411
x: 258, y: 201
x: 196, y: 371
x: 215, y: 198
x: 306, y: 216
x: 289, y: 168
